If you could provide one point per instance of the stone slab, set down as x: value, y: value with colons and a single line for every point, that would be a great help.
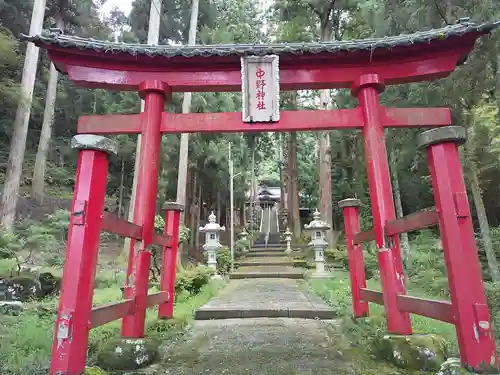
x: 298, y: 313
x: 267, y: 249
x: 264, y: 298
x: 261, y: 262
x: 263, y: 254
x: 265, y: 275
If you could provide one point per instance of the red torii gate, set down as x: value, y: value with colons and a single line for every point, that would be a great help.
x: 365, y: 66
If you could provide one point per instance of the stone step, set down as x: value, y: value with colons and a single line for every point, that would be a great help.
x: 267, y: 272
x: 273, y: 245
x: 299, y: 312
x: 267, y: 249
x: 263, y: 262
x: 265, y: 254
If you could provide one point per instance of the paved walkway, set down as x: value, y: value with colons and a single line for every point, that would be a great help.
x: 256, y: 347
x: 266, y: 326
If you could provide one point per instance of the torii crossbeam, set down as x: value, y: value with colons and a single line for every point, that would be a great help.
x: 230, y: 122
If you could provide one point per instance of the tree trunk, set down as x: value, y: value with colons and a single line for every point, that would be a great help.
x: 194, y: 209
x: 294, y: 190
x: 282, y: 203
x: 218, y: 205
x: 46, y: 134
x: 253, y: 193
x: 122, y: 178
x: 405, y: 245
x: 484, y: 225
x: 198, y: 216
x: 21, y: 123
x: 325, y: 173
x: 186, y: 108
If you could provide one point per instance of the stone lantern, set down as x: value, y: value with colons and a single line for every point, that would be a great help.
x: 212, y: 244
x: 244, y: 235
x: 318, y: 229
x: 288, y: 239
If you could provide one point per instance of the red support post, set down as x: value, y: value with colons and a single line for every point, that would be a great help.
x: 469, y: 304
x: 155, y: 94
x: 367, y: 89
x: 169, y: 258
x: 355, y: 256
x: 71, y: 335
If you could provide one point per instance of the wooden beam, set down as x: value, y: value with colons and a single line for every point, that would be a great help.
x: 368, y: 235
x: 161, y: 240
x: 230, y: 122
x: 156, y: 299
x: 439, y: 310
x: 415, y: 221
x: 94, y: 72
x: 109, y: 313
x: 416, y: 117
x: 123, y: 228
x: 372, y: 296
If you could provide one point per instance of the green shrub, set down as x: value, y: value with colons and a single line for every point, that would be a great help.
x: 160, y: 228
x: 371, y: 264
x: 492, y: 291
x: 338, y: 255
x: 223, y: 261
x: 432, y: 281
x: 193, y: 279
x: 239, y: 246
x: 10, y: 243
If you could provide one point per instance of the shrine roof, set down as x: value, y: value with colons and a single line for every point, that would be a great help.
x: 56, y: 39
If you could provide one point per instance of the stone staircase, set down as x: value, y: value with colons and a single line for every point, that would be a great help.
x: 269, y: 262
x: 265, y: 285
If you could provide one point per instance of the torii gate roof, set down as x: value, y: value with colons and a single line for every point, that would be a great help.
x: 96, y: 63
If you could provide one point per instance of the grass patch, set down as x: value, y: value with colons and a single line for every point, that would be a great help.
x: 26, y: 340
x: 6, y: 266
x: 336, y: 292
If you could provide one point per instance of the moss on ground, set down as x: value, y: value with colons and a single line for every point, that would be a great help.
x: 26, y: 341
x: 272, y: 346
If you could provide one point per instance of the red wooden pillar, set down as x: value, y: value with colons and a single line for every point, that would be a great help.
x: 169, y: 258
x: 367, y: 90
x: 470, y: 309
x: 354, y: 256
x: 154, y: 94
x: 69, y: 351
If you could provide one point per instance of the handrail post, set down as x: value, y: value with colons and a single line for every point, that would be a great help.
x: 154, y: 94
x: 367, y: 89
x: 71, y: 336
x: 357, y: 274
x: 469, y: 304
x: 169, y: 258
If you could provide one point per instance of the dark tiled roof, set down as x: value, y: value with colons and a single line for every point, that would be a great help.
x: 57, y: 38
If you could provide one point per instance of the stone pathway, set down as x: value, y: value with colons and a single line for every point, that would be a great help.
x: 255, y: 347
x: 266, y: 346
x: 266, y: 323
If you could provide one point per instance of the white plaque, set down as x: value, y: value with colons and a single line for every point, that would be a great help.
x: 260, y: 88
